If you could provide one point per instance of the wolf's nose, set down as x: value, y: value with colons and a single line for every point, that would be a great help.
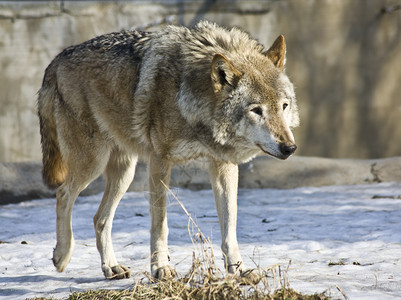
x: 287, y: 149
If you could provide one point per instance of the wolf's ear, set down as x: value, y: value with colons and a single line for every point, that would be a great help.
x: 276, y: 53
x: 224, y: 74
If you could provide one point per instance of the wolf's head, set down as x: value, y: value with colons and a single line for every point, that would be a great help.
x: 256, y: 103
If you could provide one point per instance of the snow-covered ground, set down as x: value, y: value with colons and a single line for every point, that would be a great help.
x: 314, y: 228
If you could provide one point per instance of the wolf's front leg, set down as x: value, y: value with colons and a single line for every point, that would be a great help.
x: 159, y: 178
x: 224, y: 179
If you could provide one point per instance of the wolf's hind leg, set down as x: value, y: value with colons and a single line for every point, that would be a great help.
x: 66, y: 195
x: 81, y: 172
x: 120, y: 172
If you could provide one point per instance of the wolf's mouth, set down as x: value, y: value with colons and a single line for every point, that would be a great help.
x: 280, y: 156
x: 263, y: 150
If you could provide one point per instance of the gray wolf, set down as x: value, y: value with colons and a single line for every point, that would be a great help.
x: 166, y: 97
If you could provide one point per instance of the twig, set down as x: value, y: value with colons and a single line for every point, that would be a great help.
x: 207, y: 263
x: 341, y: 291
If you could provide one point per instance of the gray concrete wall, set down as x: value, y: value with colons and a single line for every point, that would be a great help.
x: 343, y: 56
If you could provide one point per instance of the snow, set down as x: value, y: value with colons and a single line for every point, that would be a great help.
x: 311, y: 227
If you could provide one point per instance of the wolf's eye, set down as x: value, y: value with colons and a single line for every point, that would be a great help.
x: 257, y: 110
x: 285, y: 105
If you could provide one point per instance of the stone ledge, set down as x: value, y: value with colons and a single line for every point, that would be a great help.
x: 23, y: 181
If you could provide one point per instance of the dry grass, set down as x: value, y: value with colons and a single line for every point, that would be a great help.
x: 205, y: 283
x: 159, y: 293
x: 205, y: 280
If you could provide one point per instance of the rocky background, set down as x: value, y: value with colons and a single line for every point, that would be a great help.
x: 343, y: 56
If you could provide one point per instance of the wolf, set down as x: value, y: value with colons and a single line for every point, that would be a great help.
x: 167, y: 97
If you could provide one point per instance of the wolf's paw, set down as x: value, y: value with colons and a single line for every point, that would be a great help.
x: 61, y: 258
x: 250, y: 277
x: 164, y: 273
x: 116, y: 272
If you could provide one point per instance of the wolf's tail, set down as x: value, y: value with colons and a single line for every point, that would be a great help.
x: 54, y: 169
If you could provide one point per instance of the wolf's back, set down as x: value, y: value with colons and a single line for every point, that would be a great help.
x: 54, y: 170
